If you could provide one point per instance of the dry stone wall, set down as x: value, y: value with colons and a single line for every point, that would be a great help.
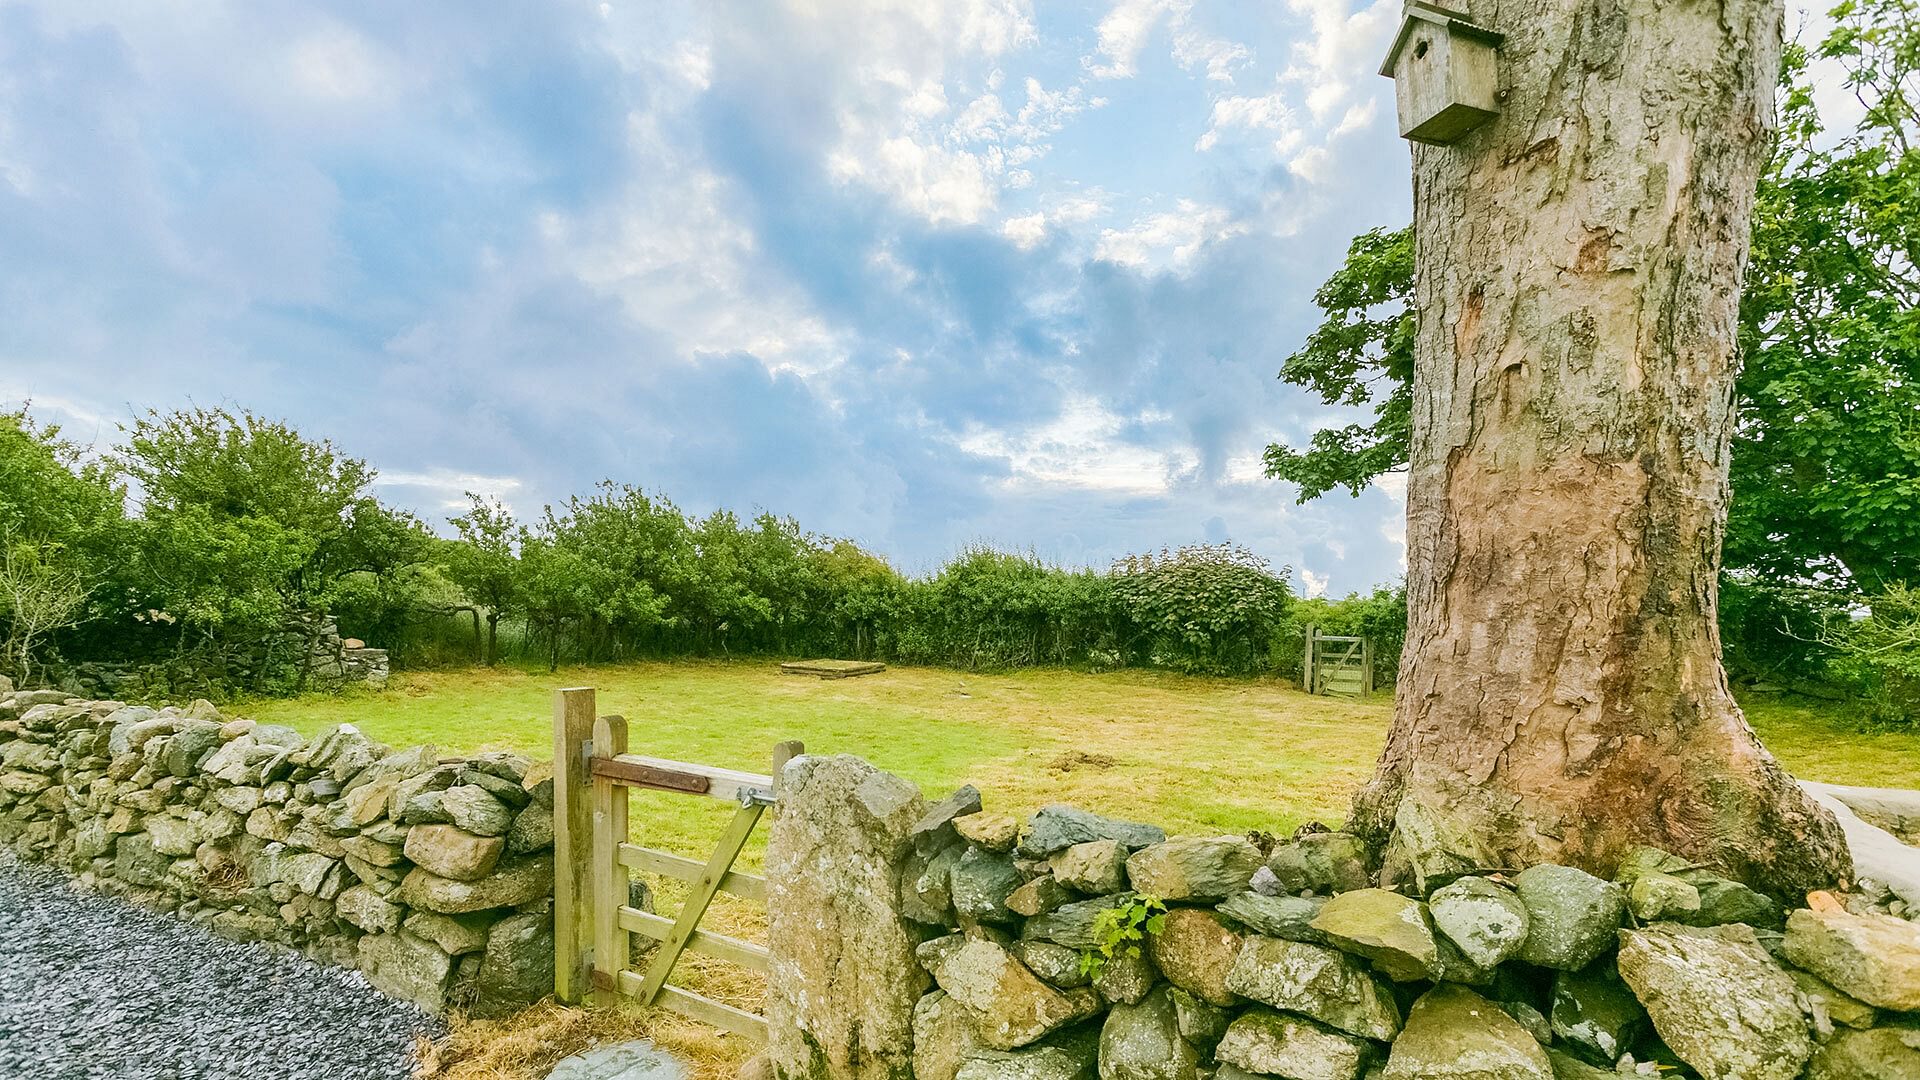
x: 1260, y: 957
x: 434, y: 876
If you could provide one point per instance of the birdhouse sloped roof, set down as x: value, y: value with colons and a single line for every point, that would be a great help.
x: 1455, y: 22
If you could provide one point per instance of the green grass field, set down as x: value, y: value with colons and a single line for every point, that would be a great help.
x: 1190, y: 754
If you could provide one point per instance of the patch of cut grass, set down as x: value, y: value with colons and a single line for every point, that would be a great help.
x: 1189, y: 754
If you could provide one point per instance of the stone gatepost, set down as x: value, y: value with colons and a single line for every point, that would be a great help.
x: 843, y: 980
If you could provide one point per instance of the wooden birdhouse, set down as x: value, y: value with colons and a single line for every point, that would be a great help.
x: 1445, y: 74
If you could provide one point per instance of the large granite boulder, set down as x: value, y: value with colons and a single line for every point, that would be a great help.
x: 1572, y: 916
x: 1142, y: 1042
x: 1194, y: 868
x: 1269, y: 1043
x: 841, y: 996
x: 1486, y: 921
x: 512, y: 883
x: 1385, y: 927
x: 446, y: 850
x: 1010, y: 1006
x: 1195, y: 949
x: 1875, y: 958
x: 1453, y: 1033
x: 1325, y: 984
x: 408, y: 968
x: 1718, y: 1000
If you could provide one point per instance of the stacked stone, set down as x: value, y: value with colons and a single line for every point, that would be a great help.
x: 434, y: 877
x: 1286, y: 959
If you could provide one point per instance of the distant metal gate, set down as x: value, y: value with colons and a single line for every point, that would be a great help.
x: 1336, y: 665
x: 593, y: 857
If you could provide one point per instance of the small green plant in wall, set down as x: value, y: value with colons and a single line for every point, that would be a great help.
x: 1121, y: 931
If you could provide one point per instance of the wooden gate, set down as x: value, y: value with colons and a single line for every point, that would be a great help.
x: 1335, y: 664
x: 593, y: 858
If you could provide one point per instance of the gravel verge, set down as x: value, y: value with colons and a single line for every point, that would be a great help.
x: 92, y: 988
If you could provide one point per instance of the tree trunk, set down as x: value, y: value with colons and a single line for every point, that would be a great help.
x: 493, y: 637
x: 1578, y: 271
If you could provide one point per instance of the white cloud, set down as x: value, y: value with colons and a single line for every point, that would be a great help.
x: 449, y: 486
x: 1086, y: 446
x: 1316, y: 584
x: 1124, y: 31
x: 1268, y: 112
x: 1171, y: 239
x: 1028, y: 231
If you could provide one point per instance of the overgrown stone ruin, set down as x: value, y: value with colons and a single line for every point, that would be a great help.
x: 332, y: 663
x: 1265, y: 958
x: 433, y: 876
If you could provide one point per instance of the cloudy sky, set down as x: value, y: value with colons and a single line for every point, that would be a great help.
x: 918, y: 272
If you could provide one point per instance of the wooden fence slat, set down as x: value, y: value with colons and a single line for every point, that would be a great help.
x: 727, y: 784
x: 731, y: 949
x: 634, y: 774
x: 610, y: 941
x: 698, y: 898
x: 705, y: 1010
x: 573, y: 715
x: 647, y: 860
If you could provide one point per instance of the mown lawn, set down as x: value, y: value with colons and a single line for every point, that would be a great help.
x: 1190, y: 754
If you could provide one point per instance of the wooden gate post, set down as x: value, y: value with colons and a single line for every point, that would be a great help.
x: 573, y: 715
x: 1306, y: 663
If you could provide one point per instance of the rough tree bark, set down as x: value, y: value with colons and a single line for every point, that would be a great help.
x: 1578, y: 272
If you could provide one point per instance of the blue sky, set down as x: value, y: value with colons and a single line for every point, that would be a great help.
x: 918, y: 272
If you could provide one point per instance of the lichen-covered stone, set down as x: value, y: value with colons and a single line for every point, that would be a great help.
x: 942, y: 1037
x: 1056, y: 965
x: 1329, y: 862
x: 1453, y: 1033
x: 1326, y: 984
x: 1385, y: 927
x: 1875, y: 958
x: 517, y: 968
x: 1595, y: 1011
x: 1718, y: 1000
x: 1572, y: 916
x: 1881, y: 1054
x: 476, y: 810
x: 1142, y: 1042
x: 995, y: 832
x: 512, y: 883
x: 928, y: 895
x: 1485, y: 920
x: 935, y: 829
x: 1194, y: 950
x: 1127, y: 977
x: 1275, y: 1044
x: 1057, y: 827
x: 1289, y: 917
x: 1429, y: 848
x: 452, y: 852
x: 980, y: 882
x: 408, y: 968
x: 1011, y: 1007
x: 1072, y: 924
x: 1201, y: 1023
x: 1039, y: 896
x: 1194, y: 868
x: 368, y: 910
x: 1655, y: 897
x: 1832, y: 1006
x: 835, y: 859
x: 456, y: 935
x: 1096, y: 867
